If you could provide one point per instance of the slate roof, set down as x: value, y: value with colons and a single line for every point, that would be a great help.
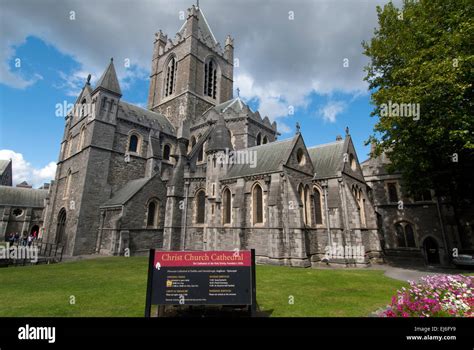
x: 137, y: 111
x: 109, y: 80
x: 269, y: 158
x: 22, y: 197
x: 124, y: 194
x: 327, y: 158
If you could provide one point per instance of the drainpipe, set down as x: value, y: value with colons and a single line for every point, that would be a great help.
x: 324, y: 185
x: 186, y: 191
x: 443, y: 233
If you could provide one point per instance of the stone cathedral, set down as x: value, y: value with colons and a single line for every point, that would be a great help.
x: 199, y: 170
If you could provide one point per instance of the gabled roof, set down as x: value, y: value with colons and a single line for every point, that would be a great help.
x: 109, y: 80
x: 124, y: 194
x: 137, y: 111
x: 327, y: 158
x: 4, y: 165
x: 205, y: 31
x: 269, y: 158
x: 22, y: 197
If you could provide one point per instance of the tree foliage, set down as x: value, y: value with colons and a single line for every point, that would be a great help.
x: 422, y: 54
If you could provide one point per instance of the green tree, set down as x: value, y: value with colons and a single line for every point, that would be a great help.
x: 422, y: 54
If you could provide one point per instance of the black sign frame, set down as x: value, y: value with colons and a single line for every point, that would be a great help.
x: 252, y: 308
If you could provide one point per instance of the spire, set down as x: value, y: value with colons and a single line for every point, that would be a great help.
x: 203, y: 27
x: 109, y: 81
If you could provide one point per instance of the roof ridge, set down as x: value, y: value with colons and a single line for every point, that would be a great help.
x: 326, y: 144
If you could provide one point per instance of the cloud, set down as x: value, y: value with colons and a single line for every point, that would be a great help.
x: 24, y: 171
x: 330, y: 111
x: 281, y: 61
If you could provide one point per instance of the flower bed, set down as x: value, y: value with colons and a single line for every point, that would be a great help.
x: 434, y: 296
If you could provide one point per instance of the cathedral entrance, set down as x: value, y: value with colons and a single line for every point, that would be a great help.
x: 431, y: 249
x: 61, y: 227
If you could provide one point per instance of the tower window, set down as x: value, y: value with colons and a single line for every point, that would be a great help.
x: 170, y: 83
x: 210, y: 78
x: 392, y: 192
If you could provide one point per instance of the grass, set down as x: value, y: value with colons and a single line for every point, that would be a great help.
x: 116, y: 287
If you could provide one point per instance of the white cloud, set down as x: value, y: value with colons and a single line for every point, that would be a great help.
x: 24, y: 171
x: 330, y: 111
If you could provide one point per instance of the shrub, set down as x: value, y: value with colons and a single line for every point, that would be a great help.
x: 434, y: 296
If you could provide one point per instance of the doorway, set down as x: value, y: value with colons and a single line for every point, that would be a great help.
x: 431, y: 249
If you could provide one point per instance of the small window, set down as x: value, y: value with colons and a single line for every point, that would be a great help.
x: 133, y: 144
x: 265, y: 140
x: 166, y: 152
x: 352, y: 162
x: 200, y: 154
x: 300, y: 156
x: 392, y: 192
x: 257, y: 201
x: 17, y: 212
x: 200, y: 207
x: 424, y: 196
x: 153, y: 213
x: 227, y: 210
x: 259, y: 139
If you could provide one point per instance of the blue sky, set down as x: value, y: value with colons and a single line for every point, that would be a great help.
x: 326, y: 96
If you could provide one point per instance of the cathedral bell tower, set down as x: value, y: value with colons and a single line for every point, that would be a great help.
x: 191, y: 72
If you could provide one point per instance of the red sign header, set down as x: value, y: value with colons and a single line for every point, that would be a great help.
x: 203, y: 259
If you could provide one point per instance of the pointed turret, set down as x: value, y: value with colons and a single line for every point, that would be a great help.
x: 109, y: 81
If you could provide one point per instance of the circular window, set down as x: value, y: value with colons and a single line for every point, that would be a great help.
x: 17, y: 212
x: 300, y: 156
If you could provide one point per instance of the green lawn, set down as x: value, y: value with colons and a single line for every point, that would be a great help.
x: 116, y: 287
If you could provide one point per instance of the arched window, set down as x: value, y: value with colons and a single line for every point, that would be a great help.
x: 257, y: 204
x: 363, y: 220
x: 304, y: 197
x: 200, y: 203
x: 259, y: 139
x: 69, y: 145
x: 133, y: 143
x: 104, y: 104
x: 405, y: 235
x: 300, y: 156
x: 265, y: 140
x: 227, y: 209
x: 82, y: 137
x: 166, y: 152
x: 61, y: 227
x: 83, y: 107
x: 318, y: 212
x: 170, y: 82
x: 153, y: 212
x: 352, y: 162
x: 67, y: 184
x: 210, y: 78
